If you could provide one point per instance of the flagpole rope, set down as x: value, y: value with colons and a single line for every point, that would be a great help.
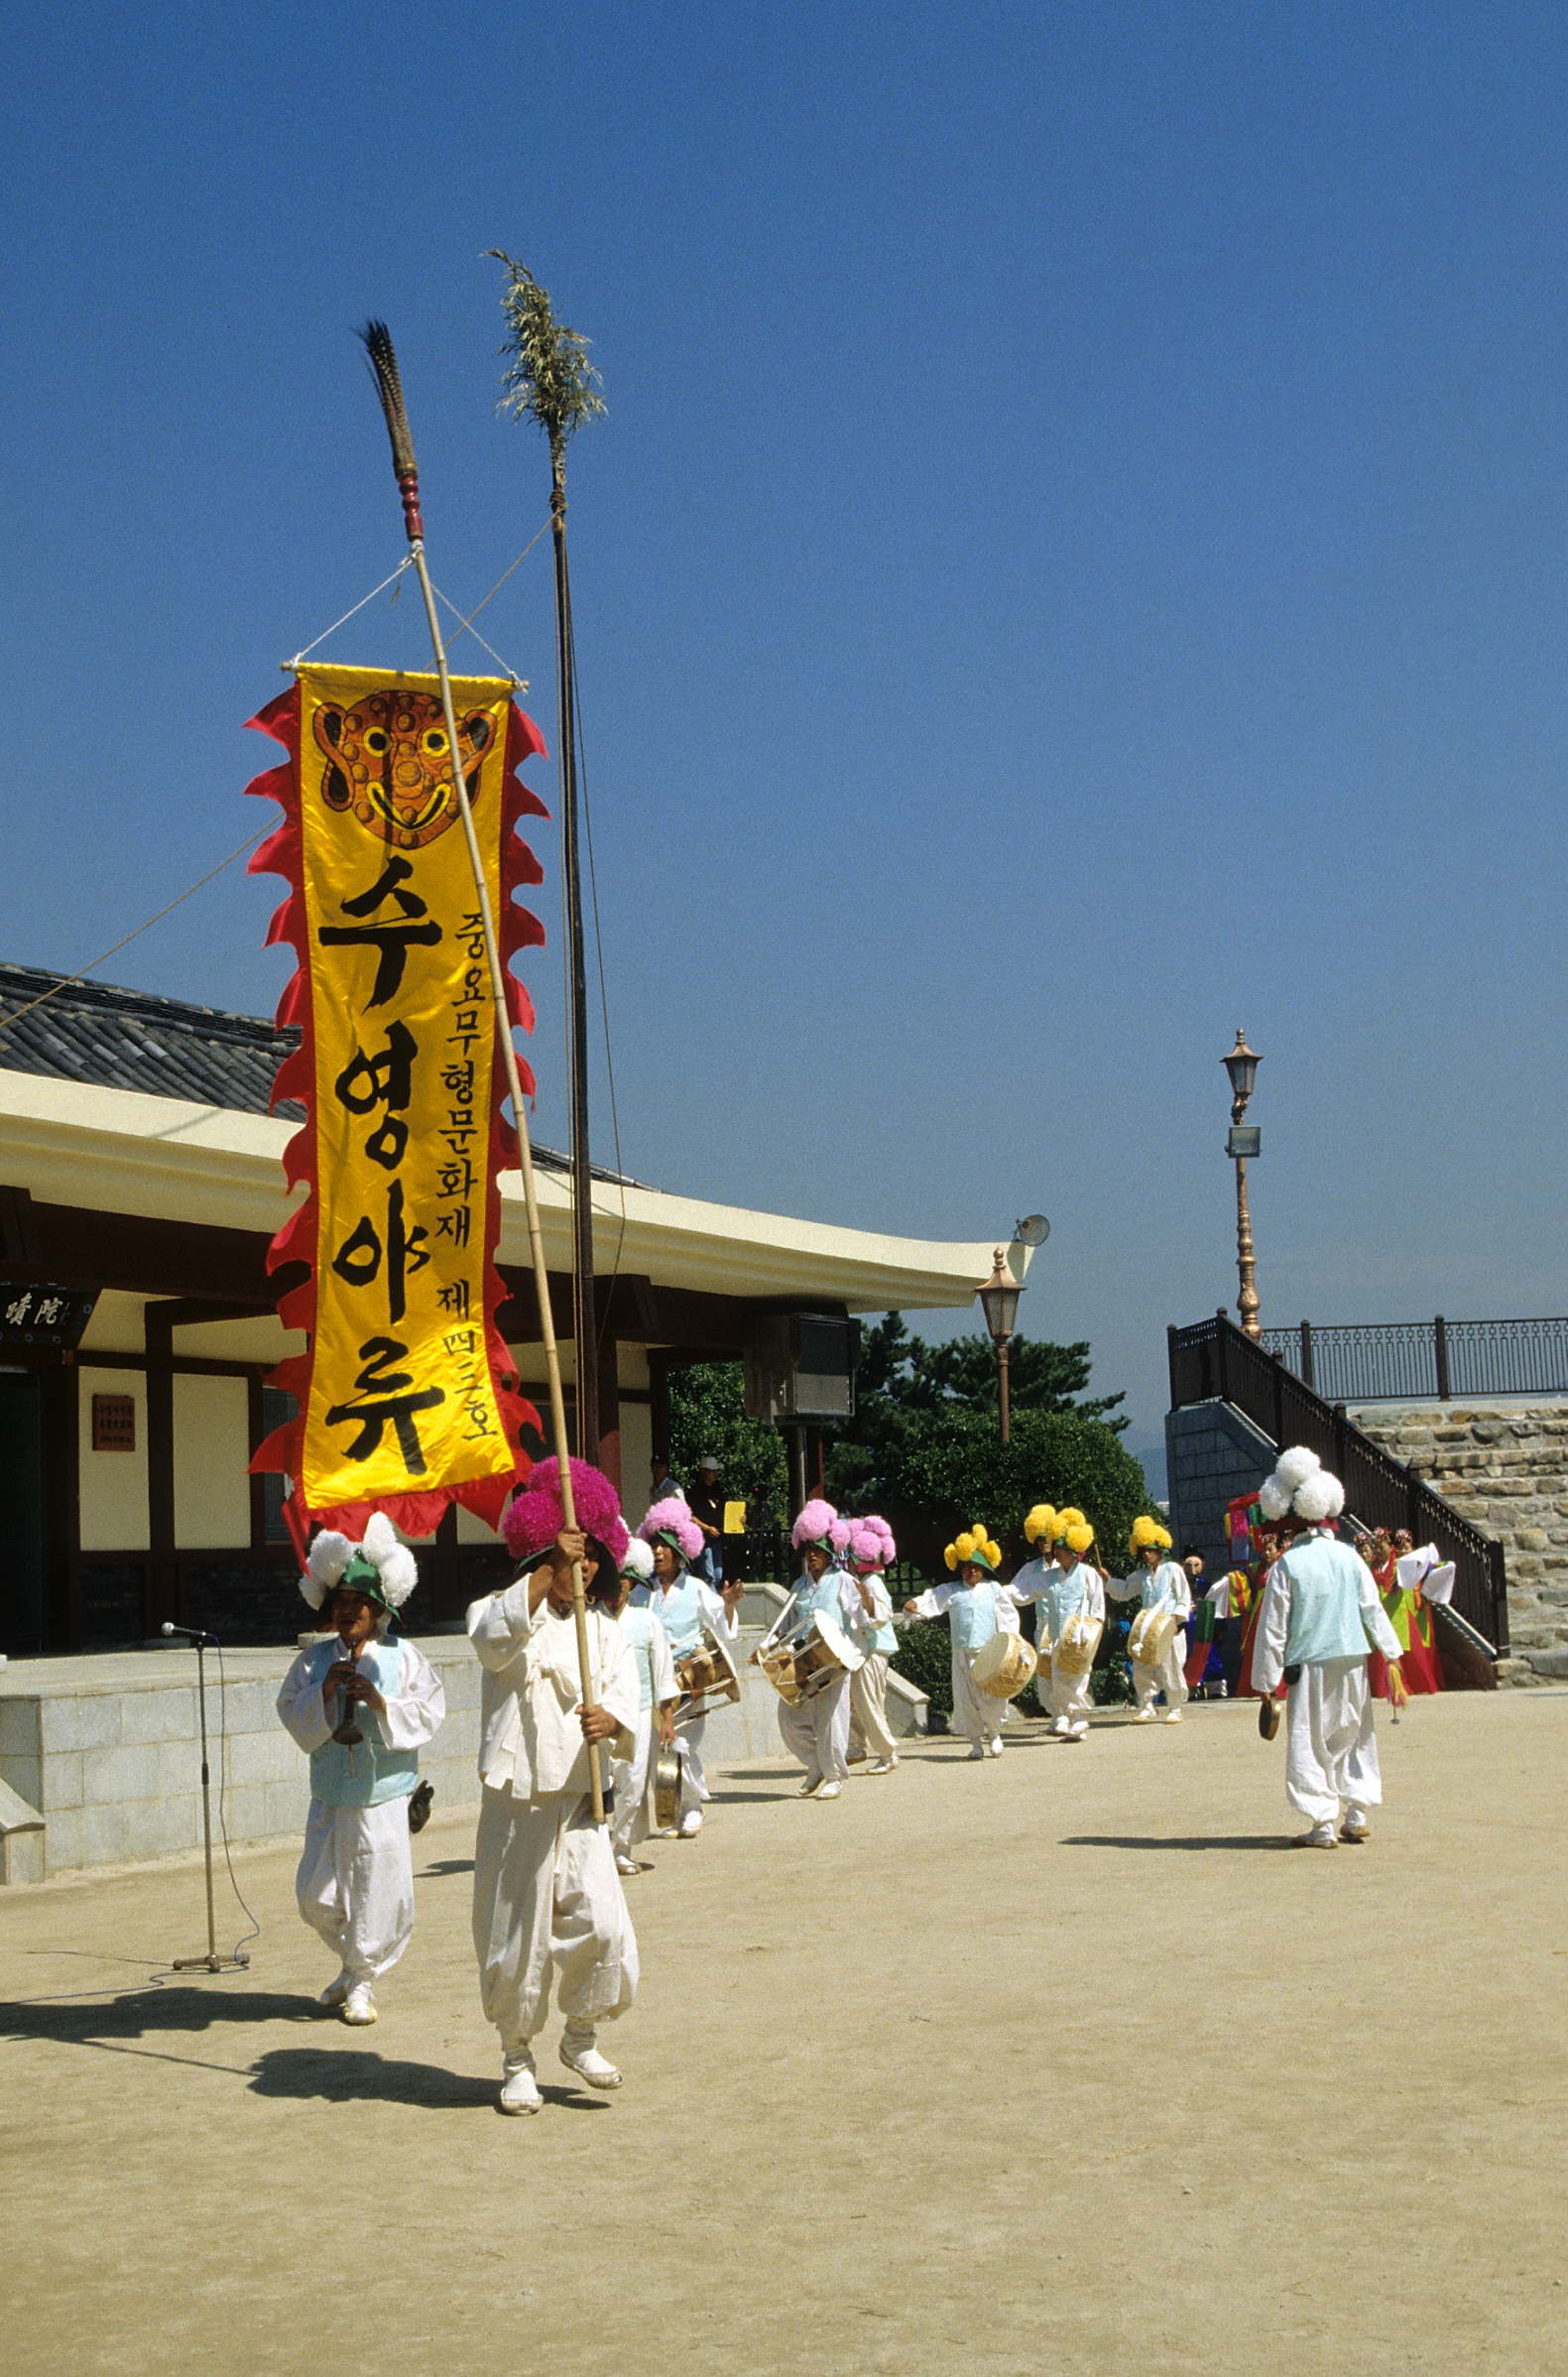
x: 286, y: 666
x: 249, y: 843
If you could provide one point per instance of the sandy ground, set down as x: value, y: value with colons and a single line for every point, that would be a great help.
x: 1061, y: 2062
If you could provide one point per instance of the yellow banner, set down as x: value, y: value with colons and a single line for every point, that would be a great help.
x: 404, y: 1026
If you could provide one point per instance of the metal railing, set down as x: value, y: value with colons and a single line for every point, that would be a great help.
x: 1391, y: 1361
x: 1213, y: 1361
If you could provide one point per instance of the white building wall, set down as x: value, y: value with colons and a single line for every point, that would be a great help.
x: 113, y: 1485
x: 212, y: 1498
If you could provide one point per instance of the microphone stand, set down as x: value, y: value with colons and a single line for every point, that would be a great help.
x: 211, y: 1961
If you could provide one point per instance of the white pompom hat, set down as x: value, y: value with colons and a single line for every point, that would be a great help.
x: 1301, y: 1485
x: 381, y: 1568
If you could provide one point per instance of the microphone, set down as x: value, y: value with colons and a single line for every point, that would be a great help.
x: 191, y: 1634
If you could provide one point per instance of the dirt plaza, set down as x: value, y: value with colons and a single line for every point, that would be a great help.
x: 1062, y: 2062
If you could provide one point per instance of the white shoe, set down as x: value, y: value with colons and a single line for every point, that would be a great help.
x: 1062, y: 1727
x: 689, y: 1825
x: 1143, y: 1716
x: 1355, y: 1827
x: 977, y: 1752
x: 812, y: 1783
x: 994, y: 1747
x: 1080, y: 1730
x: 579, y: 2054
x: 625, y: 1866
x: 1321, y: 1837
x: 519, y: 2088
x: 883, y: 1766
x: 359, y: 2007
x: 334, y: 1993
x: 1172, y: 1716
x: 854, y: 1756
x: 828, y: 1790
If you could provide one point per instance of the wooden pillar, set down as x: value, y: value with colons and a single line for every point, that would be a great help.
x: 163, y: 1580
x: 63, y: 1507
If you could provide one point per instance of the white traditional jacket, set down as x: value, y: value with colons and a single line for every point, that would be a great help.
x: 531, y: 1737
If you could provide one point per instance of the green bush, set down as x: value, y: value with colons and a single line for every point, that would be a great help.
x: 708, y: 1413
x: 953, y: 1469
x: 924, y: 1658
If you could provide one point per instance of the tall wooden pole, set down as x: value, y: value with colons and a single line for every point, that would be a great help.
x: 1247, y: 1297
x: 585, y: 1323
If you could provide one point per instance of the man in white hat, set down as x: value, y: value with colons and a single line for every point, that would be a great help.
x: 706, y: 1504
x: 1320, y: 1616
x: 362, y: 1708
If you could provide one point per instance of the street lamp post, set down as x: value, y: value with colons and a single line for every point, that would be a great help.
x: 1242, y: 1065
x: 999, y: 1301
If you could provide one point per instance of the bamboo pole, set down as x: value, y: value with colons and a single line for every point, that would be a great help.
x: 378, y: 345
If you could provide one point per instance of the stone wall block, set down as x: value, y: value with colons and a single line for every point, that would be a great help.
x: 106, y: 1836
x: 285, y: 1805
x: 19, y: 1729
x: 90, y: 1723
x: 67, y: 1831
x: 159, y: 1715
x: 63, y: 1784
x: 120, y: 1775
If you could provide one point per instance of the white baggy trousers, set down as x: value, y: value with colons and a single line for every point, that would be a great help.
x: 1166, y: 1677
x: 817, y: 1731
x: 975, y: 1715
x: 868, y: 1706
x: 548, y: 1902
x: 1067, y: 1695
x: 630, y: 1778
x: 355, y: 1884
x: 1331, y: 1752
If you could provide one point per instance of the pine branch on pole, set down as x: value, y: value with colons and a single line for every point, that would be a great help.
x: 384, y: 365
x: 549, y: 381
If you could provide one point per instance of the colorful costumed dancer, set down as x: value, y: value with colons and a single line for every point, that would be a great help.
x: 362, y: 1707
x: 815, y: 1730
x: 687, y: 1608
x: 976, y: 1607
x: 656, y: 1680
x: 1162, y: 1586
x: 1320, y: 1617
x: 547, y: 1896
x: 1063, y: 1588
x: 871, y: 1551
x: 1407, y: 1581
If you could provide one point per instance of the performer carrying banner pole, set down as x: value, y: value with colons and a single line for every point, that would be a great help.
x: 383, y: 363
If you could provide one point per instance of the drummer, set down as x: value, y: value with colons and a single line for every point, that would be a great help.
x: 871, y: 1548
x: 1064, y: 1587
x: 655, y: 1676
x: 976, y: 1607
x: 1161, y: 1584
x: 686, y: 1606
x: 817, y: 1731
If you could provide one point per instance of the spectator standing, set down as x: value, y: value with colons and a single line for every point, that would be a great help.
x: 706, y: 1505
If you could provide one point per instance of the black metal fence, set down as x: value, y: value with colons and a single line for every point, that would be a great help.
x: 1215, y: 1361
x: 1389, y: 1362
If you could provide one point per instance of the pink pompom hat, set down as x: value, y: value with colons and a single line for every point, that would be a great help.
x: 819, y: 1524
x: 536, y: 1518
x: 870, y: 1546
x: 670, y: 1522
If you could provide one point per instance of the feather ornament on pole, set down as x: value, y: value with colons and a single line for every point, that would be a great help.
x: 378, y: 346
x: 549, y: 381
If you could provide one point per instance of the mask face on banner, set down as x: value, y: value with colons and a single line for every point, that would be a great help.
x: 400, y: 1072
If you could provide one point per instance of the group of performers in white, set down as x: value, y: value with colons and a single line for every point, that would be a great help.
x: 548, y: 1910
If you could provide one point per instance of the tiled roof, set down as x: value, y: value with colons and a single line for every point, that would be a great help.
x: 112, y: 1039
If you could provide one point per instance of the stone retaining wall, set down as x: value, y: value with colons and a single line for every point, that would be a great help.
x: 1504, y: 1466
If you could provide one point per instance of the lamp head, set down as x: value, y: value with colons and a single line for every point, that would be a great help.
x: 998, y: 1299
x: 1242, y: 1065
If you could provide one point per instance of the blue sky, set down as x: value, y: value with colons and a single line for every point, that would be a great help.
x: 1075, y: 563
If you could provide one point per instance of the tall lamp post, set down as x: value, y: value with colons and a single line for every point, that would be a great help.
x: 999, y: 1301
x: 1242, y: 1065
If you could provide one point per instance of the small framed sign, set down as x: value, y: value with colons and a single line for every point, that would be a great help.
x: 114, y: 1424
x: 43, y: 1316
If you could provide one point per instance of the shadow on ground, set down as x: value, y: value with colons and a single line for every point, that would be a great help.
x: 1138, y: 1840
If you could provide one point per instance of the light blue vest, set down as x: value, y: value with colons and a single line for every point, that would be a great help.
x: 972, y: 1615
x: 638, y: 1627
x: 1325, y: 1603
x: 1161, y: 1584
x: 874, y: 1638
x: 1069, y: 1593
x: 366, y: 1773
x: 680, y: 1615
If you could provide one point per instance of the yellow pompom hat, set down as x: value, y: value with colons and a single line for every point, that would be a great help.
x: 974, y: 1545
x: 1073, y: 1530
x: 1148, y: 1531
x: 1040, y: 1523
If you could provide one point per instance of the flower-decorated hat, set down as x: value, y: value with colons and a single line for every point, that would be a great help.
x: 670, y: 1522
x: 1041, y: 1523
x: 1301, y: 1486
x: 637, y: 1562
x: 536, y: 1518
x: 870, y: 1546
x: 1146, y: 1531
x: 1073, y: 1530
x: 819, y: 1527
x: 974, y: 1545
x: 381, y: 1568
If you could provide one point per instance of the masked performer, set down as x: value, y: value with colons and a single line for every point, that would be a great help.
x: 1401, y: 1574
x: 687, y: 1608
x: 1161, y: 1584
x: 656, y: 1681
x: 1321, y: 1616
x: 547, y: 1896
x: 975, y: 1608
x: 871, y: 1548
x: 816, y: 1731
x: 355, y: 1884
x: 1062, y: 1588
